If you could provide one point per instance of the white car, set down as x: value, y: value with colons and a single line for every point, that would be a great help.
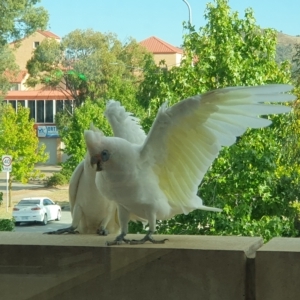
x: 36, y: 209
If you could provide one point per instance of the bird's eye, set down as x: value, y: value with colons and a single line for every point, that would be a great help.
x: 105, y: 155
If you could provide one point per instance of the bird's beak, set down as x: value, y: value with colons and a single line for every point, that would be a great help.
x: 96, y: 160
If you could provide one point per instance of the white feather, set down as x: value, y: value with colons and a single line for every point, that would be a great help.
x: 89, y: 208
x: 159, y: 177
x: 192, y: 132
x: 123, y: 123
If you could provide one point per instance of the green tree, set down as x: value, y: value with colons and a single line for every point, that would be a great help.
x: 18, y: 139
x: 86, y: 63
x: 255, y: 181
x: 227, y: 51
x: 296, y: 61
x: 7, y: 62
x: 71, y: 129
x: 89, y: 67
x: 18, y: 19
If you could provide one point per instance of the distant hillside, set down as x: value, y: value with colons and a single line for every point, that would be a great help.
x: 286, y: 39
x: 286, y: 47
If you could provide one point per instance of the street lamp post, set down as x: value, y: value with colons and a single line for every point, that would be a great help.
x: 190, y: 12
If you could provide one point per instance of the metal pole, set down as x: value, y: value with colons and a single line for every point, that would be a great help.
x: 7, y: 177
x: 190, y: 12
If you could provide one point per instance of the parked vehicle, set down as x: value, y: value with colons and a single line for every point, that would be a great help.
x: 36, y: 209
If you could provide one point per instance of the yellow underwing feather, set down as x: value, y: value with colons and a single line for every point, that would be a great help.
x: 186, y: 138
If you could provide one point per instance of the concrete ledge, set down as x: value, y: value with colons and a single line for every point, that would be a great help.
x: 277, y: 266
x: 36, y: 266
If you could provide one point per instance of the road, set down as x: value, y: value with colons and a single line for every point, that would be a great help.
x: 64, y: 222
x: 47, y: 170
x: 66, y: 218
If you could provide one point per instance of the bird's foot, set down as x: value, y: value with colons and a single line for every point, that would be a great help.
x: 118, y: 240
x: 102, y: 231
x: 148, y: 237
x: 68, y: 230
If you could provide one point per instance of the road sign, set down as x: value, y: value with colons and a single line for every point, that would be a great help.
x: 6, y: 163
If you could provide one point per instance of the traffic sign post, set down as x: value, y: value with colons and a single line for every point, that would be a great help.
x: 6, y: 167
x: 6, y: 163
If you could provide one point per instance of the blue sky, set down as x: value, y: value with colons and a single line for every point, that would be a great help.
x: 141, y: 19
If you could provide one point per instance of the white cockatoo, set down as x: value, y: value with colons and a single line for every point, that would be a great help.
x: 159, y: 178
x: 91, y: 211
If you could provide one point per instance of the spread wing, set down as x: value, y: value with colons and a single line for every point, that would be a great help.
x: 123, y: 123
x: 186, y: 138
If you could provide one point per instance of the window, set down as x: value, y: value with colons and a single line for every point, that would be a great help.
x: 22, y: 102
x: 64, y: 104
x: 36, y: 44
x: 49, y: 111
x: 69, y: 106
x: 59, y: 106
x: 31, y: 106
x: 29, y: 202
x: 43, y: 111
x: 40, y: 107
x: 13, y: 103
x: 14, y: 86
x: 47, y: 202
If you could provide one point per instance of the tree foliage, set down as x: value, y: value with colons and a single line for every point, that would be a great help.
x: 227, y: 51
x: 71, y: 130
x: 18, y: 139
x: 255, y: 181
x: 86, y: 63
x: 7, y: 62
x: 90, y: 67
x: 18, y: 19
x: 296, y: 61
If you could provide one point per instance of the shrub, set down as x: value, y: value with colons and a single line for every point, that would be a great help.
x: 57, y: 179
x: 7, y: 225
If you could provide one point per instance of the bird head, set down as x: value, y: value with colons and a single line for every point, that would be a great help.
x: 109, y: 153
x: 98, y: 148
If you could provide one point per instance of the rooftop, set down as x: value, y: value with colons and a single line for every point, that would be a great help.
x: 48, y: 34
x: 37, y: 95
x: 156, y: 46
x: 16, y: 78
x: 45, y: 33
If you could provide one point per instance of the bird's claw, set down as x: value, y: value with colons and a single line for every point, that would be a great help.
x: 149, y: 239
x: 117, y: 242
x: 102, y: 231
x: 68, y: 230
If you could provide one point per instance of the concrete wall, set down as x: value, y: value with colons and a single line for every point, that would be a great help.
x: 277, y: 267
x: 35, y: 266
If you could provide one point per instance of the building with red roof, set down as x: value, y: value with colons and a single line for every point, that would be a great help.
x: 44, y: 104
x: 163, y: 51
